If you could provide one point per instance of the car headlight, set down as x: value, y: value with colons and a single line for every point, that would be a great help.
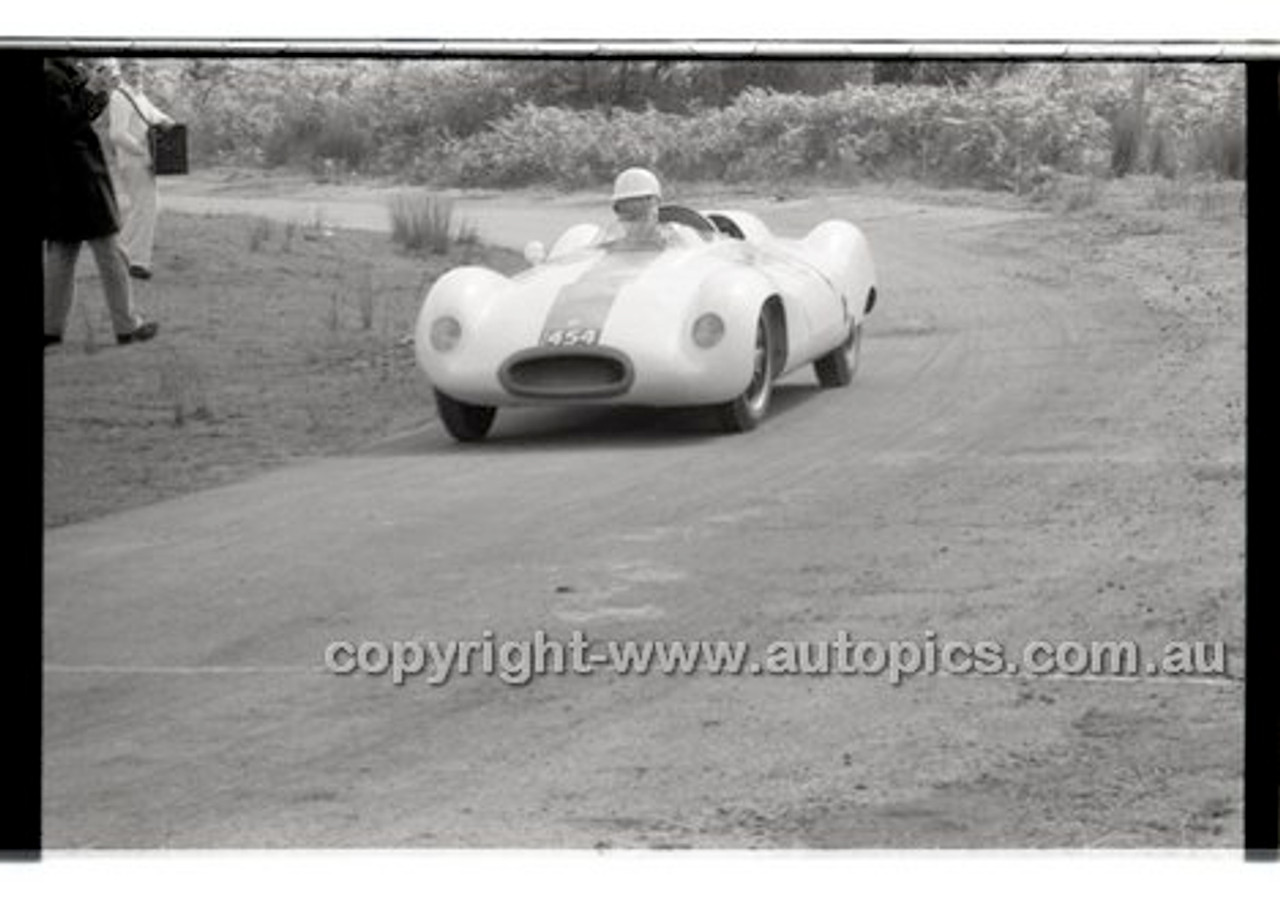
x: 708, y: 330
x: 446, y: 331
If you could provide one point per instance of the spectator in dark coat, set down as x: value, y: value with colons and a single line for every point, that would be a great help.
x: 80, y: 203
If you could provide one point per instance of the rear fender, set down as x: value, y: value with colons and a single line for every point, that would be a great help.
x: 842, y: 252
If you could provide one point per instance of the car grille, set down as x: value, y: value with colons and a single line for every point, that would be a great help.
x: 591, y: 373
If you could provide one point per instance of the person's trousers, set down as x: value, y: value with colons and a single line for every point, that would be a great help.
x: 60, y: 283
x: 139, y: 208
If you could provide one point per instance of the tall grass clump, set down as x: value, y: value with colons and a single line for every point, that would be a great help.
x: 259, y: 234
x: 424, y: 222
x: 366, y: 298
x: 182, y: 386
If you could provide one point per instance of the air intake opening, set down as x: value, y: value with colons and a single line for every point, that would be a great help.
x: 596, y: 374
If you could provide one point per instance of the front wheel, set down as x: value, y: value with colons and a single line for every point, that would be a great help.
x: 837, y: 368
x: 746, y: 411
x: 465, y: 422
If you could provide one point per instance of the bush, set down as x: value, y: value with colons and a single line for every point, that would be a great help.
x: 423, y: 222
x: 1182, y: 118
x: 995, y: 138
x: 317, y: 139
x: 508, y: 124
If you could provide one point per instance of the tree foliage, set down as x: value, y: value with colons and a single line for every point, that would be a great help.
x: 573, y: 122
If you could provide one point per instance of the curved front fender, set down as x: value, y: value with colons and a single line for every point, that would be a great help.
x: 465, y: 294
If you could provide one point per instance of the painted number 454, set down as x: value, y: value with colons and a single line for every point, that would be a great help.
x: 571, y: 337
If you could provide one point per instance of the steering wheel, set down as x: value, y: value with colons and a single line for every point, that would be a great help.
x: 679, y: 214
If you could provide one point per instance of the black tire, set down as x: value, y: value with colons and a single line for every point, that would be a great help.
x: 745, y: 412
x: 465, y: 422
x: 837, y: 368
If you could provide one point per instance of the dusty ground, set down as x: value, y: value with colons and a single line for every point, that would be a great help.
x: 1045, y: 442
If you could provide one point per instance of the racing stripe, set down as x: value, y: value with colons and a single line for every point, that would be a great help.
x: 581, y: 308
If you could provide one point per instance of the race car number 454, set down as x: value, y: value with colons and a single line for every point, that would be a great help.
x: 571, y: 337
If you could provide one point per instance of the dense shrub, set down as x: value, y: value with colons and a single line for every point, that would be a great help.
x: 314, y: 139
x: 511, y: 123
x: 994, y: 138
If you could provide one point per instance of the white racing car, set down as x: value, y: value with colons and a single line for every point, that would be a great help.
x: 711, y: 314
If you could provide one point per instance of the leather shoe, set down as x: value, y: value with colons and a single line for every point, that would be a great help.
x: 144, y: 332
x: 141, y: 272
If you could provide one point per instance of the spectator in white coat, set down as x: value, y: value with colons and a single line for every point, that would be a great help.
x: 131, y: 113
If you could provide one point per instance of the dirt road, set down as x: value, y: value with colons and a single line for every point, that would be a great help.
x: 1045, y: 442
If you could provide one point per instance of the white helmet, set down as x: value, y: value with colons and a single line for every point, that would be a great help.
x: 634, y: 183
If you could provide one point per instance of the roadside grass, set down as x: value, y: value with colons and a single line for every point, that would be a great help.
x: 276, y: 342
x: 1204, y: 198
x: 1073, y: 194
x: 422, y: 221
x: 1143, y: 196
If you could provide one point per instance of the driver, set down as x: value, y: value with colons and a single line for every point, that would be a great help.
x: 636, y: 197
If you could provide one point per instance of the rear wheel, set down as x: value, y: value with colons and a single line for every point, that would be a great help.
x: 837, y: 368
x: 746, y: 411
x: 465, y: 422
